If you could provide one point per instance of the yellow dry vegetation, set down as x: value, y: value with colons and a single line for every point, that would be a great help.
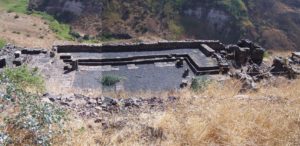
x: 218, y: 116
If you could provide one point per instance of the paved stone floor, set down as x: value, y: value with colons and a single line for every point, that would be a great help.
x: 157, y: 76
x: 154, y: 77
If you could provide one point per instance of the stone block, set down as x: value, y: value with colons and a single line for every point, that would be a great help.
x: 2, y: 62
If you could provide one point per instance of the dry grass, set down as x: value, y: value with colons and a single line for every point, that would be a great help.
x: 25, y: 31
x: 269, y: 116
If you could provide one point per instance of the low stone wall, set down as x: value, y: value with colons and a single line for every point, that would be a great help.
x: 198, y: 70
x: 135, y: 47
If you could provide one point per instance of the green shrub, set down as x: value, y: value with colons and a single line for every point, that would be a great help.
x: 266, y: 55
x: 63, y: 31
x: 16, y: 16
x: 33, y: 122
x: 177, y: 30
x: 199, y: 83
x: 22, y: 78
x: 237, y: 8
x: 2, y: 43
x: 16, y: 32
x: 75, y: 34
x: 110, y: 80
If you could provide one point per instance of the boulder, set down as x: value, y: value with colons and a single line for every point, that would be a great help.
x: 52, y: 54
x: 247, y: 43
x: 257, y: 55
x: 186, y: 73
x: 2, y: 62
x: 17, y: 62
x: 108, y: 101
x: 17, y: 54
x: 241, y: 56
x: 279, y: 66
x: 256, y: 51
x: 296, y: 57
x: 179, y: 63
x: 172, y: 98
x: 154, y: 101
x: 130, y: 102
x: 92, y: 101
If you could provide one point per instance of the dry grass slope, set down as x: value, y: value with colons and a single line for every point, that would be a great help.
x: 25, y: 30
x: 217, y: 116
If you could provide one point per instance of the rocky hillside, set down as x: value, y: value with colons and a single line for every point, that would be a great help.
x: 273, y: 23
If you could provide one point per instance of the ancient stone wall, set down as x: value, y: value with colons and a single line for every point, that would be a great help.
x: 168, y: 45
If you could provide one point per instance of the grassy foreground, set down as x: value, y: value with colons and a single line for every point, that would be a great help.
x: 217, y: 116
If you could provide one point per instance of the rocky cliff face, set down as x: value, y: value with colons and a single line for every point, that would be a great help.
x: 203, y: 22
x: 82, y: 15
x: 276, y: 22
x: 273, y: 23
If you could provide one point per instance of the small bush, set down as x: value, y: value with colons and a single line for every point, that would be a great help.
x: 106, y: 37
x: 237, y: 8
x: 110, y: 80
x: 266, y: 54
x: 2, y: 43
x: 16, y: 16
x: 23, y: 78
x: 86, y: 37
x: 75, y: 34
x: 9, y: 11
x: 199, y: 83
x: 36, y: 123
x: 63, y: 31
x: 176, y: 29
x: 16, y: 32
x: 33, y: 122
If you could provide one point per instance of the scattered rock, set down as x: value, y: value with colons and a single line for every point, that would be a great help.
x: 109, y: 104
x: 98, y: 120
x: 92, y: 101
x: 52, y: 99
x: 172, y: 98
x: 98, y: 108
x: 64, y: 103
x: 154, y: 101
x: 108, y: 101
x: 46, y: 100
x: 242, y: 97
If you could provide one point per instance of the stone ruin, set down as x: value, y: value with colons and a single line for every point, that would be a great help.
x: 155, y: 66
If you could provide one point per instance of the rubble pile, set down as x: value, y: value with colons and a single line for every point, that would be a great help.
x: 12, y: 55
x: 246, y: 59
x: 92, y: 107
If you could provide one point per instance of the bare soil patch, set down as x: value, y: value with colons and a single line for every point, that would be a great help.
x: 25, y: 30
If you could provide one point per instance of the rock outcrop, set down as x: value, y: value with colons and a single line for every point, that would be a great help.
x: 272, y: 23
